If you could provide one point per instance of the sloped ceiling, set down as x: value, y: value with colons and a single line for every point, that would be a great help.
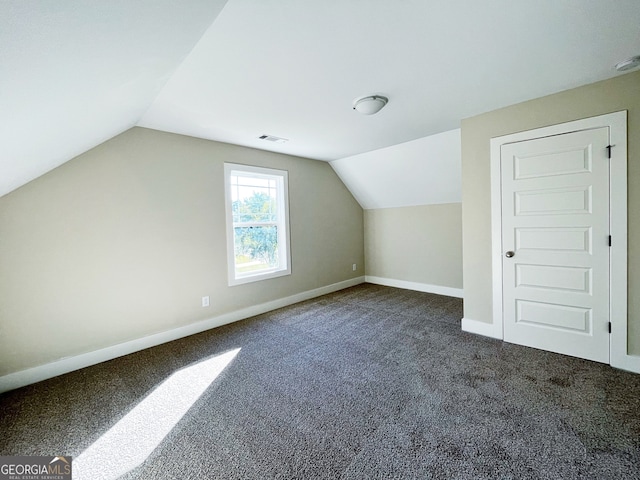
x: 425, y: 171
x: 75, y: 73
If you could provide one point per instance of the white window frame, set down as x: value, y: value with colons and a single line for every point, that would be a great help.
x: 284, y: 243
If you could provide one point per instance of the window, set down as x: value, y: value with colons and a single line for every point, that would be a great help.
x: 257, y: 223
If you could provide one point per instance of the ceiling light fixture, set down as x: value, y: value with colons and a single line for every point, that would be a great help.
x: 370, y: 104
x: 628, y: 64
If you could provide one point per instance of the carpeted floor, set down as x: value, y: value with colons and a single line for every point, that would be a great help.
x: 368, y: 382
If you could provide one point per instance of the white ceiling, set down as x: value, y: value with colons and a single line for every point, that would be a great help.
x: 425, y: 171
x: 74, y: 73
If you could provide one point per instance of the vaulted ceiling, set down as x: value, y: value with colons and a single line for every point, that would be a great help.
x: 74, y: 73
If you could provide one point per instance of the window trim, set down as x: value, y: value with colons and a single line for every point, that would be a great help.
x: 284, y: 251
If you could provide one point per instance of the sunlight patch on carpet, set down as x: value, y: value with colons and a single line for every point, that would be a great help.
x: 129, y: 442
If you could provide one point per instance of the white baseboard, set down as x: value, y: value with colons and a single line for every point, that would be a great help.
x: 624, y: 361
x: 630, y: 363
x: 69, y: 364
x: 481, y: 328
x: 420, y: 287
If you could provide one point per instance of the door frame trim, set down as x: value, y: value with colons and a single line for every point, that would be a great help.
x: 617, y: 123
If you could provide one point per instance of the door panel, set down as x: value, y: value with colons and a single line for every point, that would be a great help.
x: 553, y: 317
x: 555, y: 220
x: 553, y: 201
x: 554, y: 239
x: 576, y: 279
x: 553, y: 163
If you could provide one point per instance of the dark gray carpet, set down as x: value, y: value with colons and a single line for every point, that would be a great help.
x: 368, y: 382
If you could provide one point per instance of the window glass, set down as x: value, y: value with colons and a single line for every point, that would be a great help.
x: 257, y: 223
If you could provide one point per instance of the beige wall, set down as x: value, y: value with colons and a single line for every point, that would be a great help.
x: 620, y: 93
x: 420, y: 244
x: 124, y: 240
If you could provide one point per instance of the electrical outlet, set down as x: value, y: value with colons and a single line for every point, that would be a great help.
x: 205, y: 301
x: 355, y: 267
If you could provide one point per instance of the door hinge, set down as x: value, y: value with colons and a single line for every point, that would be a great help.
x: 609, y: 147
x: 609, y: 240
x: 609, y: 327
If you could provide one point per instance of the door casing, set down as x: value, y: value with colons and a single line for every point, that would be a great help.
x: 617, y: 123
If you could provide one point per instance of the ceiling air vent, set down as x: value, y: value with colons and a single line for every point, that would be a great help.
x: 272, y: 138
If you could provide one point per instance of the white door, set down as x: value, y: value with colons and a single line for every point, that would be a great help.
x: 555, y: 239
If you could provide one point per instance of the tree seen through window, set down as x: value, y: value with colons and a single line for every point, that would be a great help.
x: 255, y: 232
x: 257, y: 223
